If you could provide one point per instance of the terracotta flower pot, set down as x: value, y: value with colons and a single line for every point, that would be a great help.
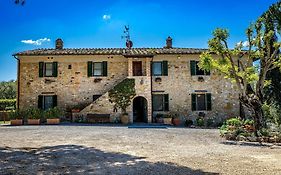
x: 176, y: 121
x: 53, y: 121
x: 167, y: 121
x: 125, y: 119
x: 33, y: 121
x: 16, y: 122
x: 75, y: 110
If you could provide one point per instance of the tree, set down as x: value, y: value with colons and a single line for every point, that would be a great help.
x: 8, y: 90
x: 237, y: 64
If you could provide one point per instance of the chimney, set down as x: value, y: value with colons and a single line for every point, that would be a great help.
x: 59, y: 44
x: 169, y: 43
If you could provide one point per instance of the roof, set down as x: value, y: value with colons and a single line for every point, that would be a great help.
x: 111, y: 51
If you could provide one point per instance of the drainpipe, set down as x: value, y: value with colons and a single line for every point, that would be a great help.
x: 18, y: 80
x: 151, y: 88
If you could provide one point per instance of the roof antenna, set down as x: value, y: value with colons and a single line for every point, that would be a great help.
x: 129, y: 43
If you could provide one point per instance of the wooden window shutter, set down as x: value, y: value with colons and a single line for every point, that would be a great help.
x: 209, y: 101
x: 193, y: 67
x: 41, y: 69
x: 55, y: 100
x: 40, y: 101
x: 90, y: 68
x: 55, y: 69
x: 165, y: 68
x: 193, y: 102
x: 166, y: 102
x: 104, y: 68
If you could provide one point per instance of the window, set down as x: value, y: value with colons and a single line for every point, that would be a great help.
x: 160, y: 68
x: 95, y: 97
x: 47, y: 101
x: 160, y: 102
x: 48, y: 69
x: 195, y: 70
x: 201, y: 102
x: 97, y: 68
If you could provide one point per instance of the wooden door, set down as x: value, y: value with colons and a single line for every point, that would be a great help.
x: 137, y: 68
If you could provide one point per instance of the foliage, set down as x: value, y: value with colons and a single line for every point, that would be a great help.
x: 8, y: 89
x: 34, y: 113
x: 7, y: 103
x: 200, y: 121
x: 234, y: 122
x: 262, y: 44
x: 16, y: 114
x: 188, y: 123
x: 122, y: 94
x: 53, y: 113
x: 272, y: 113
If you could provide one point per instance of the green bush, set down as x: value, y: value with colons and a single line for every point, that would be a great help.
x: 7, y: 104
x: 272, y: 113
x: 34, y: 113
x: 53, y: 113
x: 16, y: 114
x: 249, y: 122
x: 200, y: 121
x: 234, y: 122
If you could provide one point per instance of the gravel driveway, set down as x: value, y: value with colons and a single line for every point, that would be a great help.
x: 86, y: 149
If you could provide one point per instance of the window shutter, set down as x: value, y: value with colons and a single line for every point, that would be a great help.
x: 165, y: 68
x: 90, y: 68
x: 209, y: 101
x: 40, y: 101
x: 166, y: 102
x: 193, y: 67
x: 193, y: 102
x: 55, y: 69
x: 104, y: 67
x: 55, y: 101
x: 41, y: 69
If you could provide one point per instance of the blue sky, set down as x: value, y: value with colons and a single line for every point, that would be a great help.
x: 100, y: 23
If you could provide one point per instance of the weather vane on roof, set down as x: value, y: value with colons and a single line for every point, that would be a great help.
x: 129, y: 43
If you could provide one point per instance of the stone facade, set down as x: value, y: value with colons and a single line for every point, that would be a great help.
x: 73, y: 87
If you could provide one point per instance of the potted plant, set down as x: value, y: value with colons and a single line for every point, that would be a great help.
x: 53, y: 116
x: 121, y: 95
x: 16, y: 117
x: 200, y: 121
x: 176, y: 119
x: 159, y: 118
x: 33, y: 116
x: 167, y: 118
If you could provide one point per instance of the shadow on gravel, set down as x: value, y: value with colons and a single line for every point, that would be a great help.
x: 251, y: 144
x: 75, y: 159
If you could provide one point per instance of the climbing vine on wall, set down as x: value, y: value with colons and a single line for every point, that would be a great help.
x: 122, y: 94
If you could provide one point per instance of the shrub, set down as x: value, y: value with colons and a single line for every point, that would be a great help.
x: 234, y: 122
x: 7, y: 104
x: 53, y: 113
x: 16, y: 114
x: 34, y: 113
x: 249, y: 122
x: 272, y: 113
x: 188, y: 123
x: 200, y: 121
x: 210, y: 122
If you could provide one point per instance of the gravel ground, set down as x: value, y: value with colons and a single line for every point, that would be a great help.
x: 86, y: 149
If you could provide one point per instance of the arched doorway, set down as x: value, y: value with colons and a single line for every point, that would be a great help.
x: 140, y: 109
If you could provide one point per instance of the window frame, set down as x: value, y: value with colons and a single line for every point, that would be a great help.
x: 207, y: 108
x: 101, y: 69
x: 165, y: 102
x: 196, y: 69
x: 161, y: 66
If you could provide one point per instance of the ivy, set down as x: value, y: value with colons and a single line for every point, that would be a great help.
x: 122, y: 94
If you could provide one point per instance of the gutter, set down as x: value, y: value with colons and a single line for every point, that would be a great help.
x: 18, y: 80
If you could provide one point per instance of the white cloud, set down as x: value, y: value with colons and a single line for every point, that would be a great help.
x: 243, y: 44
x: 106, y: 17
x: 36, y: 42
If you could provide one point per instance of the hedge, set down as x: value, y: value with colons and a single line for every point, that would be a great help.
x: 7, y: 104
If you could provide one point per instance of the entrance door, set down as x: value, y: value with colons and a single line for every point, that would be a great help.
x: 137, y: 68
x: 140, y: 109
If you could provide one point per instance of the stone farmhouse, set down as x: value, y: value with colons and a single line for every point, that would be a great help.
x: 167, y: 80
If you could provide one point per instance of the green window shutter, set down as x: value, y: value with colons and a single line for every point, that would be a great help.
x: 40, y: 101
x: 41, y: 69
x: 90, y: 68
x: 55, y: 69
x: 193, y: 102
x: 165, y: 68
x: 55, y: 101
x: 209, y: 101
x: 193, y: 67
x: 104, y: 68
x: 166, y: 102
